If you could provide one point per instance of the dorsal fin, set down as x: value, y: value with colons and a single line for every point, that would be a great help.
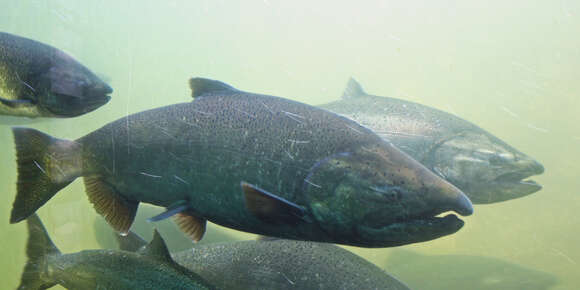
x: 201, y: 86
x: 131, y: 242
x: 39, y: 242
x: 157, y: 248
x: 353, y: 89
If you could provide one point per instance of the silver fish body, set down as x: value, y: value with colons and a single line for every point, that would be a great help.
x: 484, y: 167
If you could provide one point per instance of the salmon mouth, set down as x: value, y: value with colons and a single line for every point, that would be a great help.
x: 384, y: 218
x: 518, y: 182
x: 73, y: 106
x: 410, y: 230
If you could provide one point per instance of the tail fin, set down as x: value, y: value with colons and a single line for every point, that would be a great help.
x: 45, y: 166
x: 38, y: 247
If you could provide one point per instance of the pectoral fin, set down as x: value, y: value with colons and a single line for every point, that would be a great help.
x: 171, y: 210
x: 117, y: 211
x: 269, y: 207
x: 16, y: 103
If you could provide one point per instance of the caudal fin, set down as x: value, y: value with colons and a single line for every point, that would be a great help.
x: 39, y: 246
x: 45, y: 165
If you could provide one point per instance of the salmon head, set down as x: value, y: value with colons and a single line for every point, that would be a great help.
x: 484, y: 167
x: 379, y: 197
x: 67, y: 88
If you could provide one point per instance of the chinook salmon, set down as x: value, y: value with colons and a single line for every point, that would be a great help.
x: 250, y: 162
x: 150, y: 268
x: 277, y: 264
x: 484, y: 167
x: 37, y: 80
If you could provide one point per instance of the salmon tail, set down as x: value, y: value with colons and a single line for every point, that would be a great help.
x: 39, y: 246
x: 45, y: 165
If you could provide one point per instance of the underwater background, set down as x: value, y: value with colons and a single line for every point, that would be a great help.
x: 510, y: 67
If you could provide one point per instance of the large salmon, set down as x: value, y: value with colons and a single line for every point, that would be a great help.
x: 251, y: 162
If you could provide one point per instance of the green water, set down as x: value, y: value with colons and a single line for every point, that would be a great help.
x: 510, y: 67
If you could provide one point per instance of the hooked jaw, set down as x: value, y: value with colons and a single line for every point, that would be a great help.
x: 384, y: 198
x: 426, y: 197
x: 416, y: 226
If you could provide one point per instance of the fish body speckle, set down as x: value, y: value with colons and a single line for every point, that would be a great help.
x: 278, y: 264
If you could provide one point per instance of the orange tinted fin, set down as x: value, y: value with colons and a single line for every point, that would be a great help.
x: 116, y: 210
x: 191, y: 225
x: 269, y: 207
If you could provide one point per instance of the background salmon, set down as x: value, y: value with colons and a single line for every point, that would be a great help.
x: 37, y: 80
x: 277, y: 264
x: 150, y: 268
x: 484, y: 167
x: 255, y: 163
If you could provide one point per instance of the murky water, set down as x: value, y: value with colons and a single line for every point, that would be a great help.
x: 512, y: 68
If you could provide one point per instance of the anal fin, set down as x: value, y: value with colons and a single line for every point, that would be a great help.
x: 117, y: 211
x: 191, y: 225
x: 269, y: 207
